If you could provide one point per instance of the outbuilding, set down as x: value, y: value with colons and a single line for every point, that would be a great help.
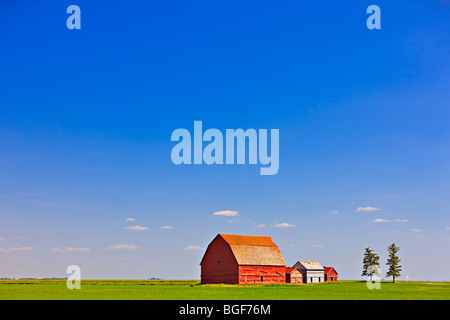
x: 312, y: 271
x: 241, y: 259
x: 330, y: 274
x: 293, y: 275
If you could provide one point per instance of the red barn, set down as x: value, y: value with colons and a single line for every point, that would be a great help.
x: 238, y: 259
x: 293, y: 275
x: 330, y: 274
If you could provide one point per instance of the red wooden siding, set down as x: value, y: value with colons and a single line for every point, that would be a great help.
x: 330, y: 274
x: 293, y: 275
x: 218, y: 264
x: 261, y: 274
x: 236, y: 259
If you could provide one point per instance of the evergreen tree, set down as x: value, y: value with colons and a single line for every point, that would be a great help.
x: 370, y: 259
x: 393, y: 262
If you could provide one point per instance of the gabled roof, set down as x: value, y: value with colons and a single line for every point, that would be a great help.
x: 309, y: 265
x: 329, y: 269
x: 290, y: 269
x: 254, y: 250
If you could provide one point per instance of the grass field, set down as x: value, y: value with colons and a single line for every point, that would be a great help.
x: 193, y: 290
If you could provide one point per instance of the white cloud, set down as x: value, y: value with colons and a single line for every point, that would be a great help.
x: 384, y: 220
x: 227, y: 213
x: 284, y: 225
x: 334, y: 212
x: 448, y: 228
x: 21, y: 249
x: 416, y: 230
x: 318, y: 245
x: 380, y: 220
x: 136, y: 228
x: 71, y: 249
x: 193, y: 248
x: 130, y: 219
x: 123, y: 246
x: 260, y: 226
x: 166, y: 227
x: 367, y: 209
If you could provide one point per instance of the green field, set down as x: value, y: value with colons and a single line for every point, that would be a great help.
x: 193, y: 290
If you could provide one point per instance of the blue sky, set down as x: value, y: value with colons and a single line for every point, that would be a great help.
x: 87, y: 115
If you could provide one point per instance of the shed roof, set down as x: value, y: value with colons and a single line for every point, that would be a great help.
x: 313, y: 265
x: 290, y: 269
x: 329, y: 270
x: 254, y: 250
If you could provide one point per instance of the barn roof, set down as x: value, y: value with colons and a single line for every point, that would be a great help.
x: 235, y: 239
x: 254, y: 250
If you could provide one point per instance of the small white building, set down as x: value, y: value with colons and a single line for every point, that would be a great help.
x: 312, y: 271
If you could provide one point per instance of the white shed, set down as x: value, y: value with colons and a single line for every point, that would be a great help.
x: 312, y: 271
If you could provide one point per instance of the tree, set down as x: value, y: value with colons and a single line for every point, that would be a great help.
x: 393, y: 262
x: 370, y: 259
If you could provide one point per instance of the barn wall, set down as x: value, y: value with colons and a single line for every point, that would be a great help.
x: 269, y: 274
x: 294, y: 277
x: 219, y: 264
